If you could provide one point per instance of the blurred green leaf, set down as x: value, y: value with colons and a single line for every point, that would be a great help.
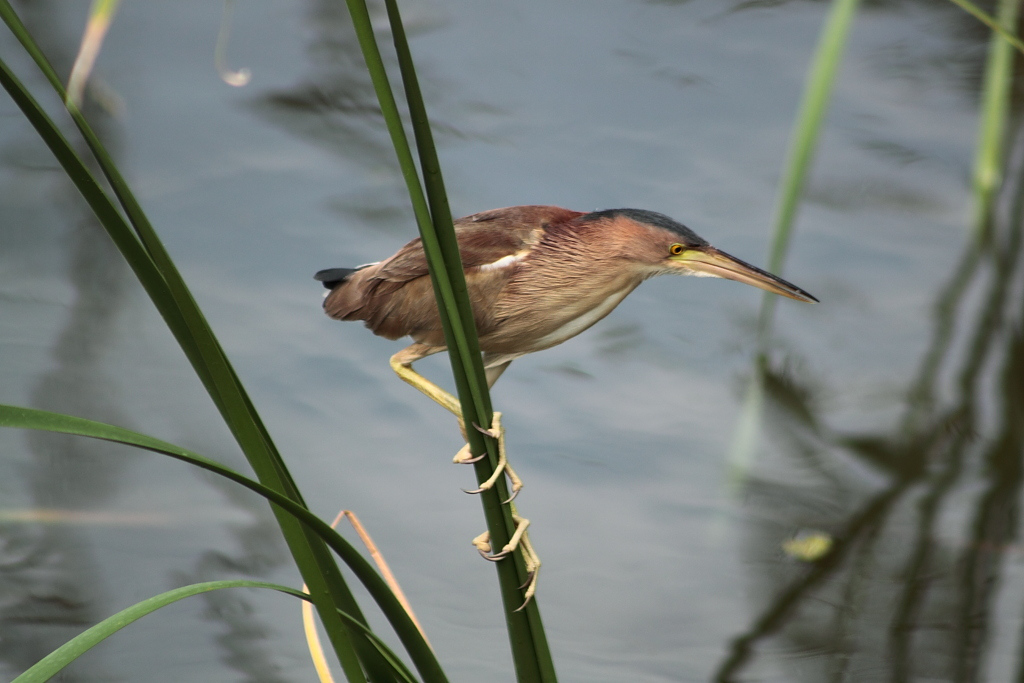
x: 101, y: 14
x: 987, y: 19
x: 995, y: 111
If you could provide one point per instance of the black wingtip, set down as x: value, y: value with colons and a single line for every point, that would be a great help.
x: 332, y: 277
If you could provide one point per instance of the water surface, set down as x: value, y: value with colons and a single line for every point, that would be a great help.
x: 892, y: 425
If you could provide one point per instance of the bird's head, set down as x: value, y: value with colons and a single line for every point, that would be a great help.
x: 663, y: 245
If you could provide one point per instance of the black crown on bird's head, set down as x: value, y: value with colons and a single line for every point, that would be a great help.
x: 653, y: 218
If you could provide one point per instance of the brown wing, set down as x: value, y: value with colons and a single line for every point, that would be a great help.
x: 395, y: 297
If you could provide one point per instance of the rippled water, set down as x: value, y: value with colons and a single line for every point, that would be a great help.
x: 894, y: 409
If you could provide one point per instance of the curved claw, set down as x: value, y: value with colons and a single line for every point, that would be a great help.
x: 486, y: 432
x: 504, y: 502
x: 531, y: 587
x: 520, y: 540
x: 493, y: 558
x: 470, y: 461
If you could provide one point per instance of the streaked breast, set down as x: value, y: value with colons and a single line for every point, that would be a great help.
x: 574, y: 326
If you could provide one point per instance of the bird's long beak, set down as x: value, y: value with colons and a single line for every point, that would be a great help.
x: 716, y: 263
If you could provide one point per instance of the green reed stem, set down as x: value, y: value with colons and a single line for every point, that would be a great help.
x: 804, y: 140
x: 525, y: 626
x: 995, y: 110
x: 529, y: 645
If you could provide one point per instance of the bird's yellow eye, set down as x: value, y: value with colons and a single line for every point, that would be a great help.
x: 676, y: 249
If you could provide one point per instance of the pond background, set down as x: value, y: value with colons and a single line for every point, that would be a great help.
x: 660, y: 562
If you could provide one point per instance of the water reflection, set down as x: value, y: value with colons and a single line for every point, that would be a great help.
x: 52, y: 583
x: 54, y: 579
x: 335, y: 107
x: 924, y: 514
x: 335, y: 104
x: 242, y: 642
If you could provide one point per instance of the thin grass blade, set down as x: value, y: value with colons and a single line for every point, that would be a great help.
x: 101, y: 14
x: 803, y: 142
x: 53, y: 663
x: 408, y: 633
x: 995, y: 24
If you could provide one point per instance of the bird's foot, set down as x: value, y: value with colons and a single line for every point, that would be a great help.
x: 520, y: 539
x: 401, y: 363
x: 464, y: 456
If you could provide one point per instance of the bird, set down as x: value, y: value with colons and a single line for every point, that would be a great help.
x: 536, y: 276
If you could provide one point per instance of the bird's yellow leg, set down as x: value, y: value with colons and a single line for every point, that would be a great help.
x: 520, y: 539
x: 401, y: 363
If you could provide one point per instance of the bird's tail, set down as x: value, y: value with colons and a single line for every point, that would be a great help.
x: 332, y: 277
x: 348, y: 290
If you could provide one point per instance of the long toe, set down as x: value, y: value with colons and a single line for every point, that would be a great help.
x: 466, y: 457
x: 531, y: 589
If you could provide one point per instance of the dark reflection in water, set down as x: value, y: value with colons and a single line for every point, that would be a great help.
x: 51, y: 582
x: 242, y: 642
x: 335, y: 106
x: 924, y: 516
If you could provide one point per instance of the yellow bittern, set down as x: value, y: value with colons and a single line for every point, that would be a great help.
x: 537, y: 276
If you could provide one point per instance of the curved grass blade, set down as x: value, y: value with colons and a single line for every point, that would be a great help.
x: 399, y: 667
x: 419, y: 651
x: 313, y: 644
x: 158, y: 275
x: 53, y: 663
x: 172, y: 296
x: 314, y: 563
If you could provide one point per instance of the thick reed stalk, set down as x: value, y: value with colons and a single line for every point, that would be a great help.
x: 529, y: 645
